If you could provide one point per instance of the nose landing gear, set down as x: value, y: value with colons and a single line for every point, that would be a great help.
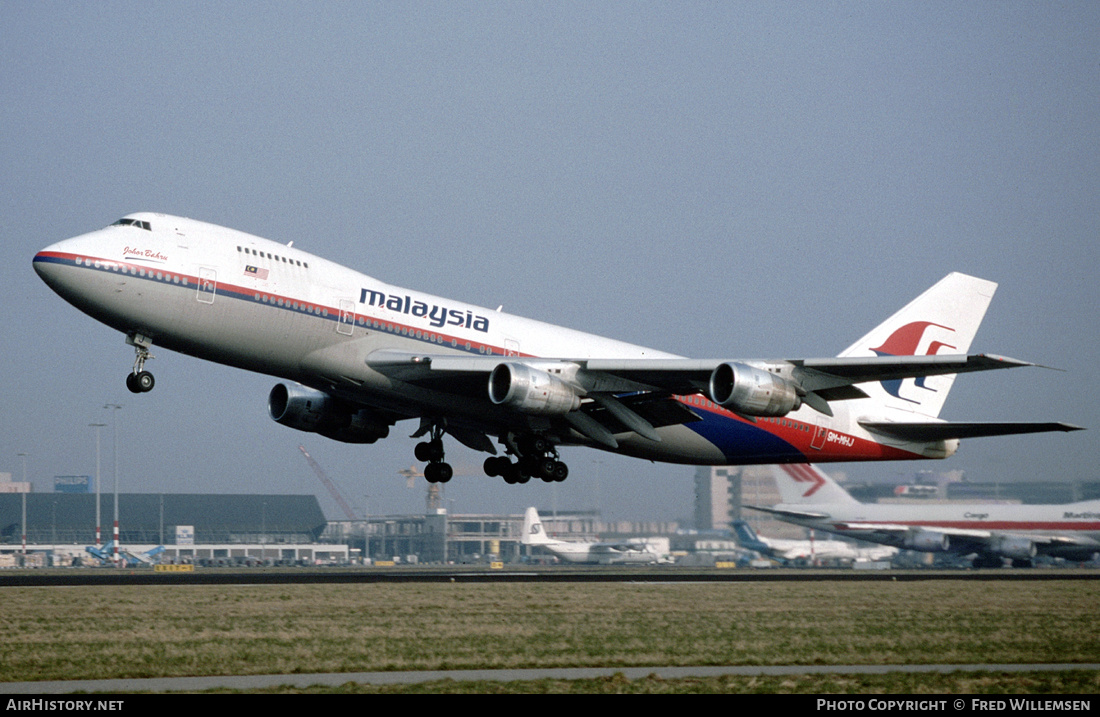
x: 139, y: 380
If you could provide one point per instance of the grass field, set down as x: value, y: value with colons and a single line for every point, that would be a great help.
x: 152, y: 631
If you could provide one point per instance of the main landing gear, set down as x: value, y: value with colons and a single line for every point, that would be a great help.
x: 139, y: 380
x: 536, y: 457
x: 431, y: 452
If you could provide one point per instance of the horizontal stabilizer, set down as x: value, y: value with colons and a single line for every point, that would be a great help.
x: 941, y: 431
x: 796, y: 514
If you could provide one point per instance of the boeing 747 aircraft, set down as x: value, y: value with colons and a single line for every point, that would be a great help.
x: 991, y: 532
x: 356, y: 356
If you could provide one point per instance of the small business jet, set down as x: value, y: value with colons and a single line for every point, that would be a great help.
x: 357, y: 355
x: 643, y: 551
x: 992, y: 532
x: 807, y: 551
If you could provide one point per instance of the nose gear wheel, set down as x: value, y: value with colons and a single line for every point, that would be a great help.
x: 139, y: 380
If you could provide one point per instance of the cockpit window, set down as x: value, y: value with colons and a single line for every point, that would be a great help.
x: 125, y: 222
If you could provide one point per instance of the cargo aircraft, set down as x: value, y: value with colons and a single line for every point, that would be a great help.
x: 635, y: 551
x: 356, y: 355
x: 991, y: 532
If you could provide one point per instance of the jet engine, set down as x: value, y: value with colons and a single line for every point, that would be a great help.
x: 928, y: 541
x: 307, y: 409
x: 1014, y: 547
x: 751, y: 391
x: 530, y: 390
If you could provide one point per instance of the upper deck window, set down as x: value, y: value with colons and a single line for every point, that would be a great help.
x: 125, y: 222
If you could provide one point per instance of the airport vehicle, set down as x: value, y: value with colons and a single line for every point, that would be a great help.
x: 807, y: 552
x: 991, y: 532
x: 358, y: 355
x: 633, y: 550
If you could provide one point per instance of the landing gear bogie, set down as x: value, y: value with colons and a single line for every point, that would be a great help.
x: 535, y: 458
x: 431, y: 452
x: 438, y: 472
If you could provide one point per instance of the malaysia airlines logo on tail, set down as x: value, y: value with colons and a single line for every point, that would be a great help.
x: 906, y: 341
x: 804, y: 475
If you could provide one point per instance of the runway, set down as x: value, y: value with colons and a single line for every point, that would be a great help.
x: 256, y: 682
x: 556, y: 574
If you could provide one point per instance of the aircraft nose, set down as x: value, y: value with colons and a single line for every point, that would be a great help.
x: 57, y: 264
x: 48, y: 263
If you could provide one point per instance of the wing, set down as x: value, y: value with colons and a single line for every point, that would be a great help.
x: 829, y: 378
x: 601, y: 397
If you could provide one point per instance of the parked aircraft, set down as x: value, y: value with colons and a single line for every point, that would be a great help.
x: 128, y: 558
x: 634, y: 550
x: 358, y: 355
x: 990, y: 531
x: 807, y: 551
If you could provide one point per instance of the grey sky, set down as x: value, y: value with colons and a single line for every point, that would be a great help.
x: 750, y: 180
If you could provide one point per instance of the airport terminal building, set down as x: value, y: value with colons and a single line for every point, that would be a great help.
x: 277, y: 529
x: 214, y: 529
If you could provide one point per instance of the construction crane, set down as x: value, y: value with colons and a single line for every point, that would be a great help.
x: 332, y: 489
x: 434, y: 499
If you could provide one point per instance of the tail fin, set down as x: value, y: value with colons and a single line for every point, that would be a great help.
x: 533, y: 533
x: 746, y: 536
x: 944, y: 319
x: 803, y: 483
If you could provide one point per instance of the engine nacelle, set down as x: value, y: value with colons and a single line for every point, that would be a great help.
x: 750, y: 391
x: 1014, y: 547
x: 307, y: 409
x: 530, y: 390
x: 928, y: 541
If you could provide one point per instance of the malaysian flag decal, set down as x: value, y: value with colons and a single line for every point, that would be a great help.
x: 256, y: 272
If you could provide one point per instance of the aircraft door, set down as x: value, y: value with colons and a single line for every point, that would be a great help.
x: 819, y: 434
x: 346, y: 323
x: 208, y: 285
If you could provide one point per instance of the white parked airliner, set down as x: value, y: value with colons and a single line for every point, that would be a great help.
x: 807, y: 551
x: 358, y: 355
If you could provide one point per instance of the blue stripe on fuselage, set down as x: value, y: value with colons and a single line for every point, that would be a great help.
x: 743, y: 442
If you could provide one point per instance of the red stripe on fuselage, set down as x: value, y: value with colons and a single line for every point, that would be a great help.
x: 1013, y: 525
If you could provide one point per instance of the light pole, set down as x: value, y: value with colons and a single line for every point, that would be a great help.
x: 26, y: 487
x: 114, y: 550
x: 98, y: 539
